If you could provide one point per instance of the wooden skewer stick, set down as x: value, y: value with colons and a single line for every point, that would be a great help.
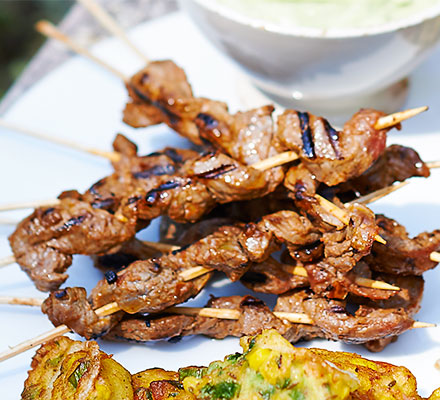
x: 340, y: 214
x: 48, y: 29
x: 111, y: 155
x: 7, y: 261
x: 29, y: 204
x: 378, y: 194
x: 275, y: 161
x: 433, y: 164
x: 223, y: 313
x: 161, y: 247
x: 22, y: 301
x: 435, y: 256
x: 373, y: 284
x: 391, y: 120
x: 111, y: 25
x: 419, y: 324
x: 7, y: 221
x: 193, y: 273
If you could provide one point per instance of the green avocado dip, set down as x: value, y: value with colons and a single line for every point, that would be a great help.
x: 329, y: 14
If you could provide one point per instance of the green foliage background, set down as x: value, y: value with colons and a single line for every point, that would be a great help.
x: 18, y: 39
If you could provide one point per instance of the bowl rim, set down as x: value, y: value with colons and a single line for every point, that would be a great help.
x: 333, y: 33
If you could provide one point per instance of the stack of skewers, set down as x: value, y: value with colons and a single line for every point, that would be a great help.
x: 277, y: 203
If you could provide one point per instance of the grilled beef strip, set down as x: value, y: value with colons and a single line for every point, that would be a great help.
x: 70, y: 307
x: 332, y: 156
x: 254, y: 317
x: 134, y: 172
x: 202, y: 183
x: 409, y: 297
x: 156, y: 284
x: 176, y: 233
x: 402, y: 255
x: 396, y: 164
x: 337, y: 323
x: 367, y: 324
x: 43, y: 243
x: 394, y: 313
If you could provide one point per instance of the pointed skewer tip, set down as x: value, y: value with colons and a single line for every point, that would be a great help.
x: 388, y: 121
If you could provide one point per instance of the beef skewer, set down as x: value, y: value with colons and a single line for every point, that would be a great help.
x: 367, y: 198
x: 199, y: 178
x: 111, y: 25
x: 295, y: 270
x: 249, y: 311
x: 214, y: 132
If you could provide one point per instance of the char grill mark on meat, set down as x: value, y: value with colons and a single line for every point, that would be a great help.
x: 202, y: 183
x: 402, y: 255
x: 308, y: 146
x: 396, y: 164
x: 333, y: 136
x: 70, y: 307
x: 332, y: 157
x: 130, y: 175
x: 254, y: 317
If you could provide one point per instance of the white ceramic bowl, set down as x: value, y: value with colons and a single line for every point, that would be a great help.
x: 317, y: 69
